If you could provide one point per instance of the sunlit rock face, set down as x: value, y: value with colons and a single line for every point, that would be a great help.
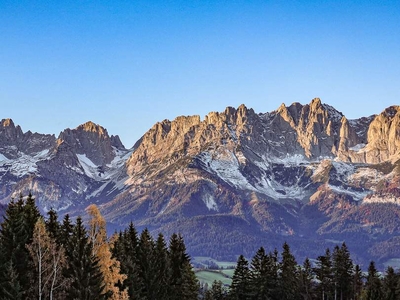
x: 300, y: 172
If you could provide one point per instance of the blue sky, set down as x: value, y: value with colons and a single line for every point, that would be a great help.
x: 128, y: 64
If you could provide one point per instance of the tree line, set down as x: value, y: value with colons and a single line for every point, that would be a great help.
x: 332, y: 276
x: 43, y: 258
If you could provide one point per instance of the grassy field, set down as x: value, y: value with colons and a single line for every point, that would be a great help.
x: 221, y: 264
x: 208, y: 276
x: 228, y: 272
x: 224, y: 274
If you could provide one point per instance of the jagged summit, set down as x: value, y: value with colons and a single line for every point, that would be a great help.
x: 92, y: 127
x: 7, y: 122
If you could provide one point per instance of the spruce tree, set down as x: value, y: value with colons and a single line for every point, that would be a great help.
x: 125, y: 250
x: 217, y: 291
x: 390, y: 283
x: 17, y: 231
x: 161, y: 266
x: 146, y: 264
x: 66, y: 231
x: 272, y: 265
x: 84, y: 271
x: 306, y: 281
x: 342, y: 267
x: 324, y: 274
x: 240, y: 288
x: 373, y: 286
x: 357, y: 282
x: 182, y: 280
x: 288, y: 279
x: 10, y: 287
x: 259, y: 279
x: 53, y: 227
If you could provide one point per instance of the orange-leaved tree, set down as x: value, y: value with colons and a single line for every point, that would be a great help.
x: 110, y: 267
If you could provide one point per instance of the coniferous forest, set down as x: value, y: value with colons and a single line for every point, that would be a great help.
x: 42, y: 257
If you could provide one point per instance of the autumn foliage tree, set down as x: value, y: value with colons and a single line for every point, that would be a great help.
x: 49, y: 260
x: 109, y: 266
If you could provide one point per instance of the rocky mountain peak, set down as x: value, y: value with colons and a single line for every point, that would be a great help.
x: 92, y: 140
x: 315, y: 125
x: 391, y: 112
x: 92, y: 127
x: 7, y: 123
x: 13, y: 141
x: 10, y: 131
x: 315, y: 103
x: 384, y: 135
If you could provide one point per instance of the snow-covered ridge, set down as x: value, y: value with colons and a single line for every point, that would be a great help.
x: 24, y: 164
x: 101, y: 173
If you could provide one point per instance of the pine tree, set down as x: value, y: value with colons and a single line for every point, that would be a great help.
x: 288, y: 282
x: 324, y: 275
x: 306, y: 280
x: 240, y: 289
x: 10, y: 288
x: 66, y: 231
x: 183, y: 282
x: 53, y: 226
x: 217, y: 291
x: 84, y: 270
x: 16, y: 232
x: 390, y: 282
x: 161, y: 266
x: 342, y: 267
x: 272, y: 274
x: 146, y: 264
x: 31, y: 215
x: 259, y: 280
x: 125, y: 250
x: 373, y: 286
x: 357, y: 282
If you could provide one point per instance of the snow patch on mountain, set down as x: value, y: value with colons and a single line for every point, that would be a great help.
x: 100, y: 173
x: 358, y: 148
x: 209, y: 201
x: 225, y: 165
x: 342, y: 168
x: 24, y: 164
x: 356, y: 195
x: 275, y: 190
x: 91, y: 170
x: 364, y: 176
x: 333, y: 113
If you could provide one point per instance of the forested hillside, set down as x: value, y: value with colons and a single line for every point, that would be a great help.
x: 42, y: 258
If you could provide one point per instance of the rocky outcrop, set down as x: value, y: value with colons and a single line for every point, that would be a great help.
x: 384, y: 136
x: 93, y: 141
x: 13, y: 141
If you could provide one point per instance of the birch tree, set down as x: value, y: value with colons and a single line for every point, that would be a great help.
x: 49, y: 260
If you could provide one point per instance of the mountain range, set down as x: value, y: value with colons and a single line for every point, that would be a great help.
x: 230, y: 182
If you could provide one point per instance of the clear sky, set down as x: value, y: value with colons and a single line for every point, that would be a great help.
x: 130, y: 63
